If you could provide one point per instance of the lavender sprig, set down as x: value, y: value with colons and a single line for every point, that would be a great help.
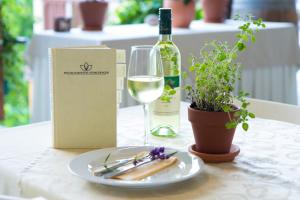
x: 155, y: 154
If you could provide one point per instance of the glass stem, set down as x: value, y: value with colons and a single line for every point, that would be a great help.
x: 146, y: 125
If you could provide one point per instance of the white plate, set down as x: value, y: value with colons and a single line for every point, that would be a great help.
x: 187, y: 167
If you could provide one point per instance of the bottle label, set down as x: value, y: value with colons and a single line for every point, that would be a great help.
x: 172, y: 81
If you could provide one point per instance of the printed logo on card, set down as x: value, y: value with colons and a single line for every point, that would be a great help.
x: 86, y: 69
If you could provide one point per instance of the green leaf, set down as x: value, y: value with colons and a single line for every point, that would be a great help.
x: 245, y: 126
x: 168, y: 87
x: 172, y: 92
x: 107, y: 157
x: 197, y: 65
x: 226, y: 108
x: 184, y: 75
x: 230, y: 125
x: 237, y: 113
x: 251, y: 115
x: 192, y: 68
x: 245, y: 104
x: 188, y: 87
x: 245, y: 38
x: 221, y: 56
x: 174, y: 59
x: 233, y: 55
x: 238, y: 35
x: 241, y: 46
x: 165, y: 98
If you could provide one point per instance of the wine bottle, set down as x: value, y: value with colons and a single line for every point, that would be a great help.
x: 165, y: 112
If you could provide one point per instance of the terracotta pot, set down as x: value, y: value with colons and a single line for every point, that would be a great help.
x: 210, y: 133
x: 93, y: 14
x: 215, y: 10
x: 182, y: 14
x: 268, y: 10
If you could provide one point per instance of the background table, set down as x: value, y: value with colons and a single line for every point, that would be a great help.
x: 266, y: 169
x: 270, y: 64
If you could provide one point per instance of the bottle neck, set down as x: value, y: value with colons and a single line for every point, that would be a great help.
x: 165, y: 37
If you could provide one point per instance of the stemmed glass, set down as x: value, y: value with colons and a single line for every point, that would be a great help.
x: 145, y: 79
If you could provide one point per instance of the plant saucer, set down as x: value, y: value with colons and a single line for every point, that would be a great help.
x: 216, y: 158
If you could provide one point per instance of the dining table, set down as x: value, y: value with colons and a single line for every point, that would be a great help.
x: 267, y: 167
x: 269, y: 66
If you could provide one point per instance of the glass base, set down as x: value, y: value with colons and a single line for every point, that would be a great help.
x: 163, y: 131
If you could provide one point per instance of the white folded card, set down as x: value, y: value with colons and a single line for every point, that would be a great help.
x: 84, y: 96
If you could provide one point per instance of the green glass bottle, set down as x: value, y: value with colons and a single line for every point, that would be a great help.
x: 165, y: 112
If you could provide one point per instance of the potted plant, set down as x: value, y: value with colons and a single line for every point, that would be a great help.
x: 212, y: 113
x: 214, y: 10
x: 93, y: 14
x: 183, y: 12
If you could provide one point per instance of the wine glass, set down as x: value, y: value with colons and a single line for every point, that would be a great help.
x: 145, y: 79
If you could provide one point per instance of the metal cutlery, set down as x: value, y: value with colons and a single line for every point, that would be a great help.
x: 126, y: 168
x: 100, y: 168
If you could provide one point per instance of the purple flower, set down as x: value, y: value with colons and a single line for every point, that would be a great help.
x: 161, y: 149
x: 135, y: 162
x: 158, y: 153
x: 154, y: 152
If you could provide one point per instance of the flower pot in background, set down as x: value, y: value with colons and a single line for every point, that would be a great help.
x: 211, y: 135
x: 268, y: 10
x: 93, y: 14
x: 215, y: 10
x: 183, y: 12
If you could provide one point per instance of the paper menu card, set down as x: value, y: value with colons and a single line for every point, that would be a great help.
x: 84, y: 96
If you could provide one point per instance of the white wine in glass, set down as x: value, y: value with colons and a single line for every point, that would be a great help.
x: 145, y: 79
x: 145, y: 89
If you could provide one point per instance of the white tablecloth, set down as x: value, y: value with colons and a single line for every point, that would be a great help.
x: 270, y: 64
x: 266, y: 169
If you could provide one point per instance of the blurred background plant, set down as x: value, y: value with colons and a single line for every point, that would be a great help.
x: 199, y: 12
x: 16, y: 20
x: 135, y: 11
